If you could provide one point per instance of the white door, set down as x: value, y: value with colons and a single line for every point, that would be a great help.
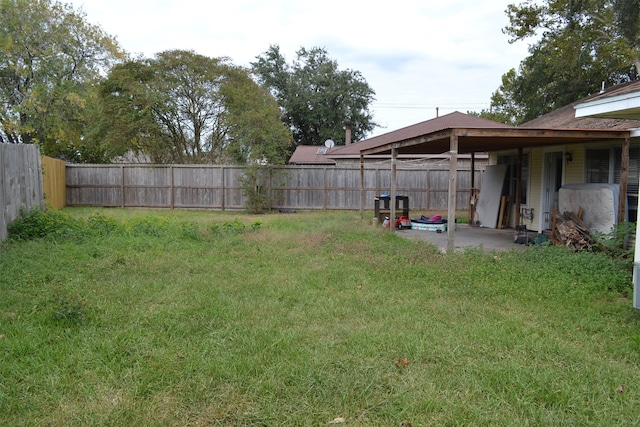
x: 553, y: 163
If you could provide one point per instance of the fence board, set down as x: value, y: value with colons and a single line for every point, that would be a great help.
x: 292, y: 187
x: 54, y: 182
x: 20, y: 181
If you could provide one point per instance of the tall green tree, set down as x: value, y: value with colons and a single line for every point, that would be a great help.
x: 318, y: 100
x: 50, y: 60
x: 182, y: 107
x: 580, y: 44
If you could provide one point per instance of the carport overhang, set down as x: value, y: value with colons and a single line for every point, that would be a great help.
x: 454, y: 141
x: 496, y: 139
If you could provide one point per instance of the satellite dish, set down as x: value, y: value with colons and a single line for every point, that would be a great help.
x: 329, y: 143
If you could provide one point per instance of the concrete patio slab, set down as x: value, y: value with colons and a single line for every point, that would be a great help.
x: 488, y: 239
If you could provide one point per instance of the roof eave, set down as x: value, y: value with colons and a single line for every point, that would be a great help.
x: 479, y: 140
x: 625, y: 106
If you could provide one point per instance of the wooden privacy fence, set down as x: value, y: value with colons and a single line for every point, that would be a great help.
x: 54, y: 182
x: 20, y: 181
x: 291, y: 187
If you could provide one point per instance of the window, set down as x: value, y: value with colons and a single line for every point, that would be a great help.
x: 597, y: 164
x: 603, y: 165
x: 511, y: 178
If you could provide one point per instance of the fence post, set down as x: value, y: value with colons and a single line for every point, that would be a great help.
x: 172, y: 189
x: 324, y: 188
x: 271, y: 172
x: 428, y: 195
x: 223, y: 189
x: 122, y: 186
x: 318, y: 190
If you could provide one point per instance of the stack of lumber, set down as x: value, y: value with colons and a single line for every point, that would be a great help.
x: 569, y: 230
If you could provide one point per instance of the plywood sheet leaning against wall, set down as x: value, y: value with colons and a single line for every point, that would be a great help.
x: 488, y: 206
x: 54, y: 182
x: 20, y: 182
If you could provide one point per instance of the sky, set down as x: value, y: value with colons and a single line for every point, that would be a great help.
x: 421, y: 57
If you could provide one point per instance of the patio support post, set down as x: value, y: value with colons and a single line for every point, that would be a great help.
x: 472, y: 193
x: 636, y: 254
x: 392, y: 196
x: 624, y: 179
x: 518, y: 186
x: 361, y: 186
x: 453, y: 185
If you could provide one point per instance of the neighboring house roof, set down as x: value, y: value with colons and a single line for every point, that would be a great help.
x: 307, y: 154
x: 565, y: 117
x: 448, y: 121
x: 311, y: 155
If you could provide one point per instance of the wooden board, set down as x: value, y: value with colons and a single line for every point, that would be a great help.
x: 489, y: 198
x: 503, y: 204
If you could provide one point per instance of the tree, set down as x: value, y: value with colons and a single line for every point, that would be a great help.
x: 581, y: 44
x: 181, y: 107
x: 317, y: 99
x: 50, y: 58
x: 503, y: 107
x: 123, y: 119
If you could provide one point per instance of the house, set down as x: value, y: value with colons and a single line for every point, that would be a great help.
x: 349, y: 153
x: 621, y: 102
x: 557, y: 149
x: 546, y: 169
x: 538, y: 159
x: 311, y: 155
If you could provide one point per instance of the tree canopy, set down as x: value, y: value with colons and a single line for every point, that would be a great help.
x: 580, y: 45
x: 50, y: 58
x: 317, y: 99
x: 182, y: 107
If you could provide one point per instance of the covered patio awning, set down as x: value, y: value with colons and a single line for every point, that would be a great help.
x: 463, y: 140
x: 471, y: 140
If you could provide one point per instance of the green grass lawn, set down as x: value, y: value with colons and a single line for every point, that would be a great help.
x: 131, y: 317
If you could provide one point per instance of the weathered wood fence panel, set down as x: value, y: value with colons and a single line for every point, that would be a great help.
x: 148, y: 186
x: 292, y: 187
x: 54, y: 182
x: 20, y: 181
x: 95, y: 185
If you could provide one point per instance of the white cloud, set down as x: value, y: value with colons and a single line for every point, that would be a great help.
x: 412, y: 53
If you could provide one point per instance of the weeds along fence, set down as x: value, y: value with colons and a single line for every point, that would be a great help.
x: 290, y: 187
x: 20, y: 181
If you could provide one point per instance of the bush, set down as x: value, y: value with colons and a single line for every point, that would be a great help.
x: 37, y: 223
x: 149, y: 226
x: 68, y: 309
x: 234, y: 227
x: 102, y: 225
x: 615, y: 244
x: 257, y: 186
x: 190, y: 231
